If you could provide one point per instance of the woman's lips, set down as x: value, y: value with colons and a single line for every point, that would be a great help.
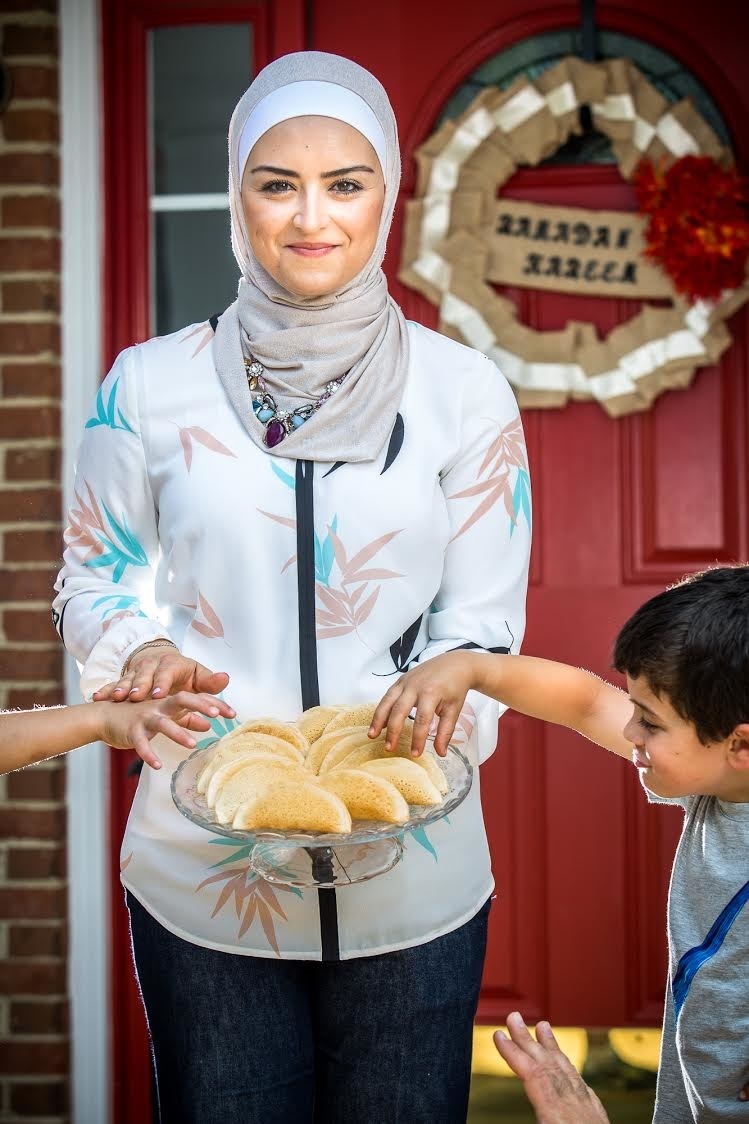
x: 311, y: 249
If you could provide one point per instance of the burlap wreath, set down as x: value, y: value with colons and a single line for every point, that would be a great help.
x: 460, y: 169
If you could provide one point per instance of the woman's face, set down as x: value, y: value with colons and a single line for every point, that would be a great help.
x: 312, y: 195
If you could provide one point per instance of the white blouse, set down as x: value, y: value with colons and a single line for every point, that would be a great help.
x: 183, y: 527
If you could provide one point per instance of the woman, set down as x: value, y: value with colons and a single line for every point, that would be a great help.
x: 312, y: 499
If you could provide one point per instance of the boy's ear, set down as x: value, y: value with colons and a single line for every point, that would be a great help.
x: 739, y: 747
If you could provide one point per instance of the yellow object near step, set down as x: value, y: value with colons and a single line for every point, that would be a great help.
x: 637, y: 1046
x: 572, y: 1040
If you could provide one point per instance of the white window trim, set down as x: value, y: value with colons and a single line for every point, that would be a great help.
x: 87, y: 768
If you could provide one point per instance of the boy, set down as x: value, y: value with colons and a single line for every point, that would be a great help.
x: 28, y: 736
x: 685, y: 725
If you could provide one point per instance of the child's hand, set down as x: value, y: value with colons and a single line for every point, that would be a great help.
x: 133, y: 726
x: 438, y: 686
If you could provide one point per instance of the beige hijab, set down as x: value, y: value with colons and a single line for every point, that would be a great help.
x: 304, y: 343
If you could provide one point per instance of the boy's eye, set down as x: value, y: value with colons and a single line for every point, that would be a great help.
x: 649, y: 726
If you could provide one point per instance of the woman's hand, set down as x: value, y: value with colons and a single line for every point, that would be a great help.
x: 161, y: 671
x: 552, y: 1084
x: 132, y: 727
x: 436, y: 687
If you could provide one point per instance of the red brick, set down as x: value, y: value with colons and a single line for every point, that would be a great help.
x: 30, y: 504
x: 46, y: 783
x: 30, y: 823
x: 31, y: 210
x: 22, y: 39
x: 30, y: 664
x: 31, y: 296
x: 26, y: 699
x: 32, y: 864
x: 33, y: 81
x: 29, y: 626
x: 29, y: 585
x: 22, y: 422
x: 29, y: 338
x: 40, y: 125
x: 32, y: 464
x: 48, y: 1058
x: 49, y: 1098
x: 31, y: 380
x: 40, y: 902
x: 39, y: 1018
x: 37, y: 940
x: 24, y: 255
x: 21, y: 977
x: 32, y: 546
x: 30, y: 168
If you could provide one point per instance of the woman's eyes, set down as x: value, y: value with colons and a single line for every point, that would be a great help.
x: 338, y: 187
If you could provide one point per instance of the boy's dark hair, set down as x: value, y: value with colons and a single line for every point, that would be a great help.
x: 691, y: 644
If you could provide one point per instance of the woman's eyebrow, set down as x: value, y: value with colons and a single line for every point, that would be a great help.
x: 347, y: 171
x: 275, y: 171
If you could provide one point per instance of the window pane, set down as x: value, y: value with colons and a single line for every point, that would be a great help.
x: 195, y: 272
x: 198, y: 74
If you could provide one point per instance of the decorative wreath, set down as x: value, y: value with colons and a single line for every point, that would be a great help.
x: 460, y: 169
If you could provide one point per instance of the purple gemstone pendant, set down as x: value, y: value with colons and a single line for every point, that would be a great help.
x: 274, y: 433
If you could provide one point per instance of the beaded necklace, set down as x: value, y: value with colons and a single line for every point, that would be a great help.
x: 279, y: 423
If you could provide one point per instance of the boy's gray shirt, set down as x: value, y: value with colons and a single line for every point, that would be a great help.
x: 705, y: 1047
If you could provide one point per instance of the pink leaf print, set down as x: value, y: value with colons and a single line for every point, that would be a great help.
x: 186, y: 444
x: 334, y: 600
x: 267, y: 892
x: 479, y: 489
x: 366, y: 607
x: 188, y: 434
x: 266, y: 920
x: 117, y: 617
x: 126, y: 862
x: 339, y: 551
x: 249, y: 916
x: 324, y: 633
x: 213, y: 629
x: 368, y: 552
x: 84, y: 521
x: 483, y: 507
x: 287, y: 563
x: 206, y: 331
x: 282, y: 519
x: 369, y: 575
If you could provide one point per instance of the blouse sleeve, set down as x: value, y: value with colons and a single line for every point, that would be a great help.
x: 481, y: 601
x: 111, y: 541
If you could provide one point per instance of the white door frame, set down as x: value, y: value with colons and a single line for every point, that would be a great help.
x: 87, y: 768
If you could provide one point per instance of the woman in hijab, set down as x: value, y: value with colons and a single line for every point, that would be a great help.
x: 311, y: 494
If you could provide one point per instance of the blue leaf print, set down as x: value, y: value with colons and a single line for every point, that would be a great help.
x: 219, y: 727
x: 521, y: 497
x: 120, y: 602
x: 420, y: 836
x: 241, y: 852
x: 130, y: 554
x: 283, y: 476
x: 325, y: 555
x: 105, y: 415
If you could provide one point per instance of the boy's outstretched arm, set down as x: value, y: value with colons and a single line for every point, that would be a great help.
x: 554, y: 692
x: 28, y: 736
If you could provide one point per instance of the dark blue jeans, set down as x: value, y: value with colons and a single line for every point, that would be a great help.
x: 249, y: 1040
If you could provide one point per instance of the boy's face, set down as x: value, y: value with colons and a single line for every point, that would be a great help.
x: 671, y: 759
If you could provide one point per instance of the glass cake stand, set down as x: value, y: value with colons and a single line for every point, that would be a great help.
x: 307, y: 858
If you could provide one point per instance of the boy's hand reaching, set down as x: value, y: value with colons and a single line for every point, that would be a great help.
x: 133, y: 726
x: 436, y: 687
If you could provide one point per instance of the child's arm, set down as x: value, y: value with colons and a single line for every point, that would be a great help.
x: 555, y: 692
x: 28, y: 736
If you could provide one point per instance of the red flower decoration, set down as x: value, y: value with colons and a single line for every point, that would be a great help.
x: 698, y: 228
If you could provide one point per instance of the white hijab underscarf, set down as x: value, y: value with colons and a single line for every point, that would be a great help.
x: 304, y: 343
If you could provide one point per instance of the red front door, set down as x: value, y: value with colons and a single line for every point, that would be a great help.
x: 621, y: 507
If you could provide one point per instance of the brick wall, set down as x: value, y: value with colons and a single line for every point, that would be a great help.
x: 33, y: 984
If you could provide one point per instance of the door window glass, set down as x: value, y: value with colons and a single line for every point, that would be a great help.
x: 196, y: 75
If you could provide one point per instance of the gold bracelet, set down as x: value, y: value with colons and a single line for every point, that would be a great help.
x: 162, y: 643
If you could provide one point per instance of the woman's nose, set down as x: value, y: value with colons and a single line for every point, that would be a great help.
x: 311, y: 212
